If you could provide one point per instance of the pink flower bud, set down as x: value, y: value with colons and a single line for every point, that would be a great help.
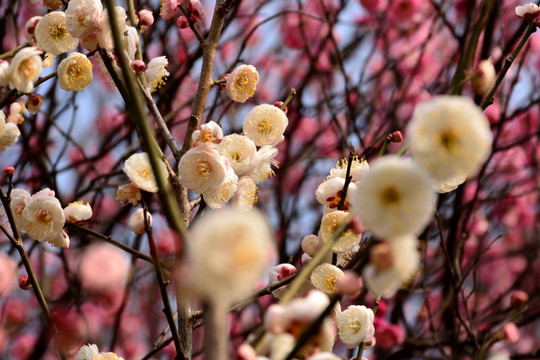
x: 138, y: 66
x: 33, y: 103
x: 223, y: 85
x: 395, y: 137
x: 9, y: 170
x: 246, y: 352
x: 510, y: 333
x: 24, y: 282
x: 279, y: 104
x: 519, y: 298
x: 483, y: 77
x: 182, y: 22
x: 146, y: 18
x: 349, y: 284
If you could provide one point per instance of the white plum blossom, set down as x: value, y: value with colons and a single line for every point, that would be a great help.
x: 19, y: 199
x: 220, y: 196
x: 210, y: 132
x: 449, y: 184
x: 139, y: 170
x: 104, y: 32
x: 325, y: 277
x: 75, y: 72
x: 239, y: 151
x: 60, y: 241
x: 330, y: 193
x: 9, y: 136
x: 242, y: 82
x: 229, y: 250
x: 52, y: 34
x: 483, y: 77
x: 24, y: 69
x: 202, y: 169
x: 330, y: 223
x: 527, y: 10
x: 77, y: 211
x: 261, y: 167
x: 265, y: 125
x: 395, y: 197
x: 156, y: 72
x: 132, y: 38
x: 246, y: 195
x: 450, y: 137
x: 128, y: 194
x: 43, y: 218
x: 87, y: 352
x: 83, y: 17
x: 137, y: 222
x: 311, y: 244
x: 355, y: 325
x: 359, y: 167
x: 103, y: 267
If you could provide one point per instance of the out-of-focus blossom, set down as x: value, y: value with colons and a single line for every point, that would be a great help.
x: 156, y: 72
x: 77, y: 211
x: 25, y: 68
x: 90, y: 42
x: 52, y: 34
x: 19, y: 199
x: 83, y: 17
x: 229, y: 251
x: 449, y: 137
x: 355, y: 325
x: 137, y: 221
x: 325, y: 277
x: 16, y: 111
x: 350, y: 283
x: 202, y: 169
x: 75, y: 72
x: 34, y: 102
x: 8, y: 274
x: 510, y: 333
x: 242, y: 82
x: 483, y: 77
x: 168, y: 8
x: 218, y: 197
x: 239, y: 151
x: 330, y: 223
x: 265, y: 125
x: 43, y: 218
x: 387, y: 334
x: 128, y: 194
x: 139, y: 170
x: 394, y: 198
x: 103, y: 267
x: 30, y: 27
x: 196, y: 9
x: 246, y: 195
x: 262, y: 164
x: 104, y: 32
x: 374, y: 5
x: 91, y: 352
x: 10, y: 136
x: 210, y: 132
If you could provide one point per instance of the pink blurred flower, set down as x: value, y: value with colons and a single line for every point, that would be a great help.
x: 103, y: 267
x: 387, y: 334
x: 8, y: 274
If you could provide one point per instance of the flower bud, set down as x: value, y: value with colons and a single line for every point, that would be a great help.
x: 33, y: 103
x: 483, y: 78
x: 381, y: 256
x: 9, y: 170
x: 395, y: 137
x: 136, y: 222
x: 146, y: 18
x: 24, y: 282
x: 30, y: 27
x: 510, y: 333
x: 279, y: 104
x: 519, y: 298
x: 138, y: 66
x: 527, y: 11
x: 182, y: 22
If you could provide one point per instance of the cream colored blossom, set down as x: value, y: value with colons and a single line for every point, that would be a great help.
x: 24, y: 69
x: 52, y: 34
x: 355, y: 325
x: 137, y: 222
x: 16, y: 112
x: 330, y: 223
x: 325, y: 276
x: 246, y: 195
x: 104, y: 32
x: 10, y: 136
x: 87, y: 352
x: 239, y: 151
x: 265, y: 125
x: 483, y: 77
x: 404, y: 264
x: 527, y: 10
x: 139, y: 170
x: 30, y: 28
x: 156, y: 72
x: 77, y: 211
x: 202, y: 169
x: 311, y: 244
x: 19, y: 199
x: 217, y: 198
x: 261, y: 167
x: 330, y: 193
x: 229, y: 250
x: 242, y: 82
x: 394, y: 198
x: 103, y: 268
x: 210, y: 132
x: 61, y: 240
x: 359, y: 167
x: 83, y: 17
x: 449, y: 184
x: 75, y: 72
x: 43, y: 218
x: 450, y: 137
x: 128, y: 194
x: 132, y: 37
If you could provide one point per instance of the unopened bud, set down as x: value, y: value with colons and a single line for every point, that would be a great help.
x: 483, y: 77
x: 519, y: 298
x: 279, y: 104
x: 395, y: 137
x: 371, y: 343
x: 24, y: 282
x: 182, y: 22
x: 33, y: 103
x: 30, y: 27
x: 9, y: 170
x: 138, y: 66
x: 146, y: 18
x: 510, y: 333
x: 380, y: 256
x: 137, y: 223
x: 223, y: 85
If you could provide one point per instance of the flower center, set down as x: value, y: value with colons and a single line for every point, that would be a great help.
x: 241, y: 82
x: 58, y: 32
x: 235, y: 156
x: 43, y: 216
x: 449, y: 140
x: 265, y: 127
x: 28, y: 70
x: 390, y: 196
x: 145, y: 172
x: 205, y: 169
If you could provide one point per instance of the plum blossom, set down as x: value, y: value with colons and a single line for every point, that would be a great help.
x: 527, y: 10
x: 168, y: 8
x: 91, y: 352
x: 220, y: 196
x: 8, y: 274
x: 210, y: 132
x: 265, y: 125
x: 330, y: 193
x: 10, y: 136
x: 139, y: 170
x: 156, y: 72
x: 104, y: 32
x: 75, y: 72
x: 52, y: 34
x: 78, y: 211
x: 246, y: 195
x: 278, y: 273
x: 330, y: 223
x: 24, y: 69
x: 202, y: 169
x: 359, y: 167
x: 355, y: 325
x: 83, y: 17
x: 43, y: 218
x: 103, y: 267
x: 137, y: 222
x: 239, y: 151
x: 30, y: 27
x: 128, y: 194
x: 325, y: 278
x: 311, y: 244
x: 261, y: 167
x: 241, y: 83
